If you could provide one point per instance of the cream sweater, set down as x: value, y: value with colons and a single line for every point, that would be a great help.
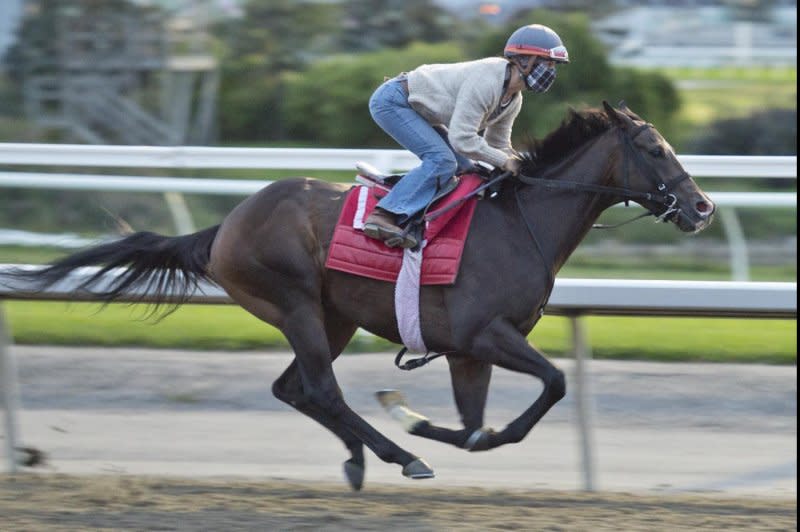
x: 463, y: 96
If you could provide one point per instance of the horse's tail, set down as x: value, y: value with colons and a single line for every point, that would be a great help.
x: 157, y: 269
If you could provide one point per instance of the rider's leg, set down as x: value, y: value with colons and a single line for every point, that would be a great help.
x: 391, y: 111
x: 464, y: 164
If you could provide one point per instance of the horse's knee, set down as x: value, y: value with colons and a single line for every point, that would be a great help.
x: 292, y: 396
x: 556, y: 385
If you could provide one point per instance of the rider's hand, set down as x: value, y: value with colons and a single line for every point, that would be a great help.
x: 513, y: 165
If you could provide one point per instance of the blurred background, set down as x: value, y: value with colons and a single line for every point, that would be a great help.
x: 715, y: 77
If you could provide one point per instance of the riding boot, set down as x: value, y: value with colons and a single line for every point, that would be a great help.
x: 381, y: 225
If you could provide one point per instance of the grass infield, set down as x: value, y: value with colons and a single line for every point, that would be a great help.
x: 205, y: 327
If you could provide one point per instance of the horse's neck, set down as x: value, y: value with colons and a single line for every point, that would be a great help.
x: 561, y: 217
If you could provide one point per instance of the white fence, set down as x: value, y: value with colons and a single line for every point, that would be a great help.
x: 320, y: 159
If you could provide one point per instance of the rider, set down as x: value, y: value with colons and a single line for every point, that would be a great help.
x: 436, y: 111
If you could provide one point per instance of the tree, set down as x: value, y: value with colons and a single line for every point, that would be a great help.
x: 767, y: 132
x: 328, y: 103
x: 271, y: 38
x: 282, y: 34
x: 374, y: 24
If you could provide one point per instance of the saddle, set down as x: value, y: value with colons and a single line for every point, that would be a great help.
x: 370, y: 176
x: 383, y: 182
x: 441, y: 229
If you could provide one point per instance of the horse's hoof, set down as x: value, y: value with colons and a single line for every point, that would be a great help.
x: 395, y: 404
x: 354, y: 473
x: 418, y: 469
x: 390, y: 398
x: 478, y: 440
x: 30, y: 456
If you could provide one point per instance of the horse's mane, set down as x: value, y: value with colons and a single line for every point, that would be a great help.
x: 579, y: 127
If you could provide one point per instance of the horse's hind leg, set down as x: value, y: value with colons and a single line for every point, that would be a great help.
x: 304, y: 329
x: 289, y: 389
x: 470, y: 379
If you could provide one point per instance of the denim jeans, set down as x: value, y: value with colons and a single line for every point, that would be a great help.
x: 390, y: 109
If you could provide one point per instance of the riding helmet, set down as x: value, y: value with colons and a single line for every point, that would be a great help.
x: 538, y: 40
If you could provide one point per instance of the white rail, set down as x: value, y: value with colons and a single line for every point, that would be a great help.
x: 59, y: 181
x: 320, y: 159
x: 569, y: 297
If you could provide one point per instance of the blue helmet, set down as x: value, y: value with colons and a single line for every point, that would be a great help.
x: 538, y: 40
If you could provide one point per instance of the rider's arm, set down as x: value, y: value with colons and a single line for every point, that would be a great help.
x: 475, y: 101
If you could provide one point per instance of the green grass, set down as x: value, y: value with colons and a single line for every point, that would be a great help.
x: 231, y: 328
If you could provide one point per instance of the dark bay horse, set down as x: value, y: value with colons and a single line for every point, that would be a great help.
x: 269, y: 254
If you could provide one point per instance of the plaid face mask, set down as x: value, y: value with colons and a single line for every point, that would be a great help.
x: 541, y: 78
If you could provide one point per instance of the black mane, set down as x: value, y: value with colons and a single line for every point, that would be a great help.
x: 579, y: 127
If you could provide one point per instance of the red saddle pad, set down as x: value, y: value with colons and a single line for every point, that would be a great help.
x: 354, y: 252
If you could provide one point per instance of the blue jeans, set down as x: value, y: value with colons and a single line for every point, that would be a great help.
x: 390, y: 109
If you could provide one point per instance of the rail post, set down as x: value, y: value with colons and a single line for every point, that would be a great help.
x: 740, y: 263
x: 8, y: 393
x: 583, y: 403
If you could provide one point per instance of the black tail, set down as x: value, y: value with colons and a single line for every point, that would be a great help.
x: 157, y: 269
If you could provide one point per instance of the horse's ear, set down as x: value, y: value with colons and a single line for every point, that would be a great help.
x: 619, y: 118
x: 622, y: 106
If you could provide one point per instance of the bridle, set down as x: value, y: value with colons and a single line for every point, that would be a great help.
x: 663, y: 194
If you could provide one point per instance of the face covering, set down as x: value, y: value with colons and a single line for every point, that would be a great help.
x: 541, y: 78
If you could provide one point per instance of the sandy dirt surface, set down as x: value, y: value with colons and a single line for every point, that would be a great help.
x: 51, y: 503
x: 176, y: 440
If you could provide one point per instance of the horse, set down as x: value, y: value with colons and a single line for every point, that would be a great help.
x: 269, y: 255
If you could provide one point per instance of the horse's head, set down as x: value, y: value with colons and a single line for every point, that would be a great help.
x: 648, y: 166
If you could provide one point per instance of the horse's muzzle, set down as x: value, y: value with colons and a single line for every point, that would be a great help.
x: 696, y: 214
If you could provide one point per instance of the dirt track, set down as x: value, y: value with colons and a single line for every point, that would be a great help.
x: 703, y: 447
x: 50, y: 503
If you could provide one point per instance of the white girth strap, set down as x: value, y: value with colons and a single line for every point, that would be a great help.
x: 406, y: 301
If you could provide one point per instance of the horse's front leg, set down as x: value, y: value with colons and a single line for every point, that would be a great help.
x: 500, y: 343
x: 470, y: 379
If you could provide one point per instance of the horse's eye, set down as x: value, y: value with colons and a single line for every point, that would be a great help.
x: 658, y: 151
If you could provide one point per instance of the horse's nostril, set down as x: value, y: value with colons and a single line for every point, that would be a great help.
x: 703, y: 207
